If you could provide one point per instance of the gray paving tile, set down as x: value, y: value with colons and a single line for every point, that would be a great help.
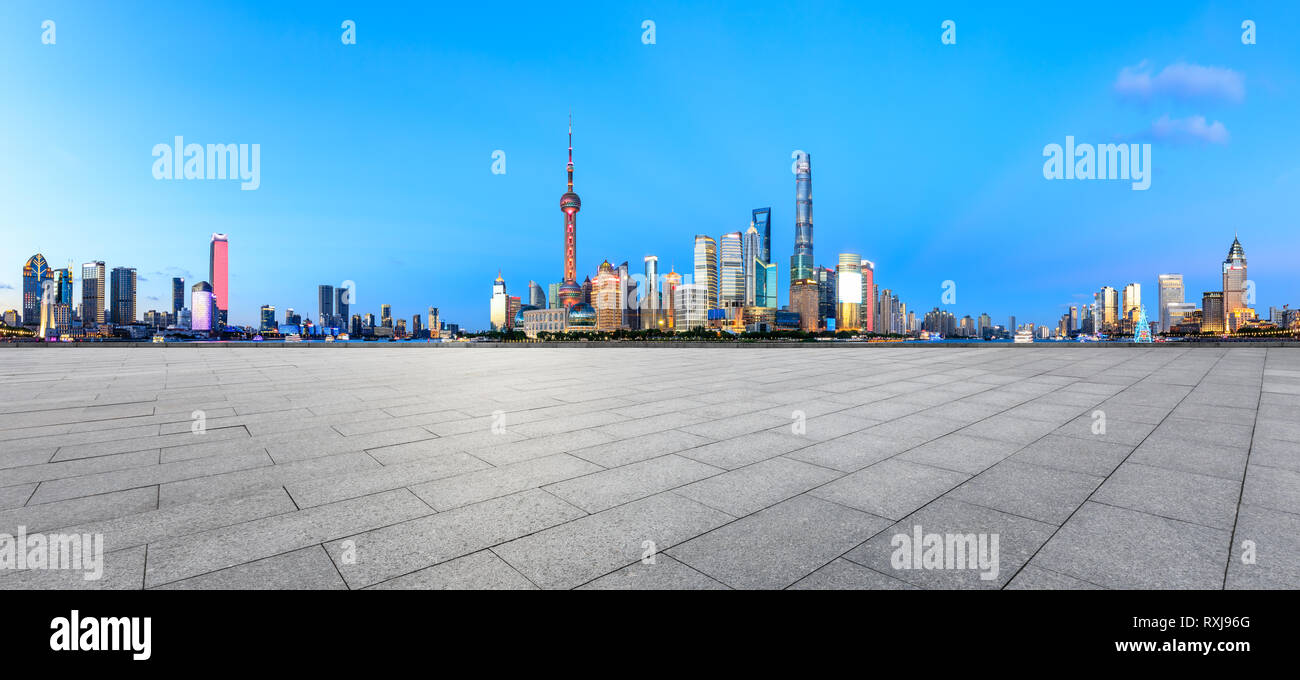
x: 891, y: 488
x: 658, y: 572
x: 305, y: 569
x: 1037, y: 578
x: 959, y: 528
x: 1271, y: 559
x: 453, y: 492
x: 67, y: 512
x: 409, y: 546
x: 322, y: 490
x: 777, y: 546
x: 851, y: 452
x: 481, y: 570
x: 1120, y: 548
x: 179, y: 558
x: 960, y: 453
x: 842, y: 574
x: 602, y: 490
x: 571, y: 554
x: 1042, y: 493
x: 1275, y: 488
x: 747, y: 490
x: 1211, y: 501
x: 122, y: 570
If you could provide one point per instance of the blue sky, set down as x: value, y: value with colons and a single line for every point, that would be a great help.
x: 376, y: 157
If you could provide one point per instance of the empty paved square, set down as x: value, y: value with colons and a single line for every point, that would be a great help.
x: 808, y: 466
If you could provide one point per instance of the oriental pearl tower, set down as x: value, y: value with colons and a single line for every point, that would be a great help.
x: 570, y: 204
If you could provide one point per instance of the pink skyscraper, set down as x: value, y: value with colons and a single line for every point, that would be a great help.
x: 219, y: 275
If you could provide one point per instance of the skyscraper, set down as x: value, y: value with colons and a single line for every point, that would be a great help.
x: 553, y: 295
x: 868, y: 313
x: 801, y: 262
x: 752, y: 258
x: 1212, y: 312
x: 761, y: 221
x: 268, y: 318
x: 342, y: 304
x: 570, y: 204
x: 1234, y: 279
x: 499, y: 304
x: 1170, y: 292
x: 63, y: 281
x: 1131, y: 301
x: 92, y: 292
x: 435, y: 324
x: 848, y: 288
x: 386, y: 311
x: 650, y: 300
x: 123, y: 290
x: 536, y: 296
x: 672, y: 280
x: 218, y: 276
x: 35, y: 273
x: 324, y: 304
x: 826, y: 295
x: 706, y: 268
x: 731, y: 271
x: 203, y: 308
x: 178, y: 292
x: 1107, y: 300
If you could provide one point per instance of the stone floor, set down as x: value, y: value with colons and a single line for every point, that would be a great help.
x: 723, y: 467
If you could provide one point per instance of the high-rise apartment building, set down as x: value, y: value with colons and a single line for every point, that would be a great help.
x: 93, y: 283
x: 123, y: 293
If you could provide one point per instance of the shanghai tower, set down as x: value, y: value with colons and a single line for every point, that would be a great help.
x: 801, y: 262
x: 570, y: 204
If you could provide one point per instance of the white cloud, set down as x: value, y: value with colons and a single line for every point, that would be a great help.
x: 1181, y: 81
x: 1191, y: 129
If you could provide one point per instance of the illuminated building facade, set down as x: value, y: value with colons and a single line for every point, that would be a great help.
x: 1170, y: 293
x: 848, y: 286
x: 801, y: 262
x: 35, y: 273
x: 731, y: 271
x: 706, y: 268
x: 1234, y: 279
x: 868, y: 312
x: 500, y: 305
x: 203, y: 308
x: 570, y: 204
x: 92, y: 292
x: 672, y: 281
x: 219, y: 276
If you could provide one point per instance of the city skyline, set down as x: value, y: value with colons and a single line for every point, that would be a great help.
x: 337, y: 205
